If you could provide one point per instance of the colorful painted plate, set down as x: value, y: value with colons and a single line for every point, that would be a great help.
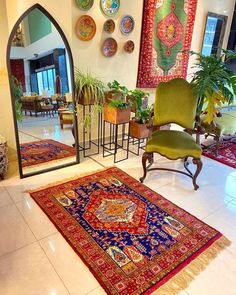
x: 109, y: 47
x: 109, y: 26
x: 110, y: 7
x: 84, y: 4
x: 127, y: 24
x: 85, y: 28
x: 129, y: 46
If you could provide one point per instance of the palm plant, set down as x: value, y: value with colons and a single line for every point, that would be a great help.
x: 213, y: 83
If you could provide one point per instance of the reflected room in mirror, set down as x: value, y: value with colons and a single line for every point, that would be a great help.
x: 41, y: 85
x: 214, y: 34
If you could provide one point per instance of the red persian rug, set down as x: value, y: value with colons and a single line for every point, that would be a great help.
x: 132, y: 239
x: 226, y: 153
x: 43, y: 151
x: 167, y: 29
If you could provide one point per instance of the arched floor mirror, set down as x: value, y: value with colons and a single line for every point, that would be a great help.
x: 41, y: 75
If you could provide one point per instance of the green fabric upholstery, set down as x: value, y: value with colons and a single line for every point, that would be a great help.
x: 173, y: 144
x: 225, y: 125
x: 175, y: 103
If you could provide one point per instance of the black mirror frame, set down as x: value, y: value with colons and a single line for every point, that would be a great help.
x: 57, y: 26
x: 224, y: 19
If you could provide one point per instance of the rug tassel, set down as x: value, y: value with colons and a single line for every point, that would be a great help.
x: 182, y: 279
x: 64, y: 180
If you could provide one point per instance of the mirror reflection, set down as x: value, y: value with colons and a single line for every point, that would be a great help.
x: 214, y: 34
x: 42, y: 89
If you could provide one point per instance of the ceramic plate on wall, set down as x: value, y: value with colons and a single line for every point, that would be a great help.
x: 109, y: 26
x: 129, y: 46
x: 84, y: 4
x: 110, y: 7
x: 127, y: 24
x: 109, y: 47
x: 85, y: 28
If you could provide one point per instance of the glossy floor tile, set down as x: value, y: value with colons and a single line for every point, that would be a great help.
x: 36, y: 242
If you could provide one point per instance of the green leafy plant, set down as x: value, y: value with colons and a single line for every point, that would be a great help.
x: 141, y: 114
x: 119, y: 103
x: 117, y: 88
x: 90, y: 88
x: 213, y: 83
x: 17, y: 93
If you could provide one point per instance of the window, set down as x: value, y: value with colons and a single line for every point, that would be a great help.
x: 46, y: 80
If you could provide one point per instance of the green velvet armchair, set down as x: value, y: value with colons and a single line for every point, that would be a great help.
x: 175, y: 103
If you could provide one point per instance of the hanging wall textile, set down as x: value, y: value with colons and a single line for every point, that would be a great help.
x: 132, y: 239
x: 166, y: 39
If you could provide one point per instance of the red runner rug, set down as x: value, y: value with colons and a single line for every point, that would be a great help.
x: 132, y: 239
x: 43, y: 151
x: 226, y: 153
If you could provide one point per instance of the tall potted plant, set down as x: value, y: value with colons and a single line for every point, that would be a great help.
x: 17, y: 93
x: 88, y: 89
x: 213, y: 83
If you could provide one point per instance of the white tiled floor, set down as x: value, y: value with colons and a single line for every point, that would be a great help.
x: 36, y: 259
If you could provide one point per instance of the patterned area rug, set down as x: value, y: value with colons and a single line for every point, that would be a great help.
x: 43, y: 151
x: 132, y: 239
x: 226, y: 153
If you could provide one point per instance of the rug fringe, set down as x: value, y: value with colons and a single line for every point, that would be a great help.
x: 64, y: 180
x: 48, y: 162
x: 182, y: 279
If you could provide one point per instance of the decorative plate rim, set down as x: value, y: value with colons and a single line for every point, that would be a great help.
x: 126, y: 43
x: 107, y: 14
x: 103, y: 46
x: 110, y: 19
x: 83, y: 9
x: 93, y: 33
x: 133, y: 21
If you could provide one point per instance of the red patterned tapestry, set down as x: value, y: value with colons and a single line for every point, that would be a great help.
x: 226, y: 153
x: 166, y: 40
x: 18, y: 71
x: 132, y: 239
x: 43, y: 151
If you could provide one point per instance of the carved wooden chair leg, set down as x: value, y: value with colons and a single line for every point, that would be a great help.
x: 146, y: 156
x: 197, y: 162
x: 217, y: 139
x: 150, y: 160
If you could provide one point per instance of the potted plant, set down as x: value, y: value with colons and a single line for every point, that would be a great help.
x: 116, y: 91
x: 17, y: 93
x: 139, y: 124
x: 88, y: 89
x: 139, y: 99
x: 117, y: 111
x: 213, y: 83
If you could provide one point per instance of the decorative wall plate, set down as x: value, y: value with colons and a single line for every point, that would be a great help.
x: 109, y: 26
x: 110, y: 7
x: 84, y: 4
x: 85, y: 28
x: 109, y: 47
x: 127, y: 24
x: 129, y: 46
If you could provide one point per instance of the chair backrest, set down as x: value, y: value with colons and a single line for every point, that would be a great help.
x: 175, y: 103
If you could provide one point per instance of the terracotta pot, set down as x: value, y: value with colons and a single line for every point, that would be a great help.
x: 115, y: 115
x: 138, y: 130
x: 85, y: 100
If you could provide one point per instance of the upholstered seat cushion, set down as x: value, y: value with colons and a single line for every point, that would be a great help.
x: 173, y: 144
x: 226, y: 124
